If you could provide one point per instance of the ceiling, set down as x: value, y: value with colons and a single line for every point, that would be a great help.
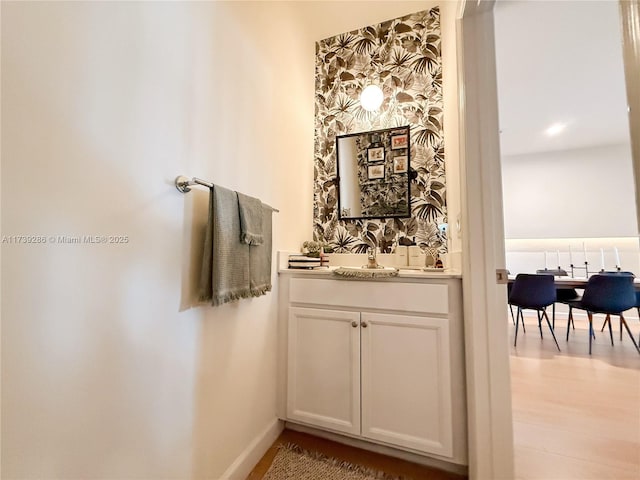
x: 559, y: 62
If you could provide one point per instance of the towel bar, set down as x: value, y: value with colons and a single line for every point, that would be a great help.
x: 183, y: 184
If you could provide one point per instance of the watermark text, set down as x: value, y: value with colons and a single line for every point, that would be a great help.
x: 63, y: 239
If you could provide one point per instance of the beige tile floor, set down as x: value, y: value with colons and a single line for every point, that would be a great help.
x: 575, y: 416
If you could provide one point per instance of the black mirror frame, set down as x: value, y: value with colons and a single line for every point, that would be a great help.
x: 410, y: 173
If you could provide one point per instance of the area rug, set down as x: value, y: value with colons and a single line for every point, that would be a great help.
x: 294, y: 463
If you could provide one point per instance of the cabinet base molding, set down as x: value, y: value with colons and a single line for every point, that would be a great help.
x: 382, y: 449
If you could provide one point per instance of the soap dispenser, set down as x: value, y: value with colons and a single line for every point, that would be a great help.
x: 414, y: 254
x: 402, y: 255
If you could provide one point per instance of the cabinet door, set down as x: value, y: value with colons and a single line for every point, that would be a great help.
x: 324, y: 368
x: 406, y: 387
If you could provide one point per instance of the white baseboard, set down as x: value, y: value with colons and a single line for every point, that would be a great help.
x: 250, y: 456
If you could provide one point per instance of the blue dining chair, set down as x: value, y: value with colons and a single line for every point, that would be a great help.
x: 509, y: 287
x: 607, y: 320
x: 533, y: 292
x: 607, y: 294
x: 562, y: 293
x: 638, y: 308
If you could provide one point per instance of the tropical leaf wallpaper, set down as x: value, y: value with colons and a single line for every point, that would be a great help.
x: 403, y: 57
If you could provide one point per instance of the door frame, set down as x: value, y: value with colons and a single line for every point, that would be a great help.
x: 630, y: 23
x: 485, y: 316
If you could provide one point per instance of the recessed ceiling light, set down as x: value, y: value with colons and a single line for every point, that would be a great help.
x: 555, y: 129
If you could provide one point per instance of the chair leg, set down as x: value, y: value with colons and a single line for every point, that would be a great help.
x: 539, y: 322
x: 621, y: 327
x: 604, y: 324
x: 524, y: 330
x: 544, y: 313
x: 511, y: 310
x: 553, y: 315
x: 608, y: 320
x: 624, y: 322
x: 590, y: 315
x: 569, y: 320
x: 593, y: 331
x: 515, y: 341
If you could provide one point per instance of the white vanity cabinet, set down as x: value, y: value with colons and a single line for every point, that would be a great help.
x: 379, y: 360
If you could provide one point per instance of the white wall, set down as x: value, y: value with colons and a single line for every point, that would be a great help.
x: 585, y: 192
x: 103, y: 104
x: 529, y: 255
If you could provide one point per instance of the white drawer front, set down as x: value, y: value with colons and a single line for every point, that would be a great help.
x: 404, y: 297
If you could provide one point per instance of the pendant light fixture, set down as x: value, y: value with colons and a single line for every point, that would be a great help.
x: 371, y: 98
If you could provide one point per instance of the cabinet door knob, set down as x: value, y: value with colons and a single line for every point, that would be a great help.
x: 354, y: 324
x: 364, y: 324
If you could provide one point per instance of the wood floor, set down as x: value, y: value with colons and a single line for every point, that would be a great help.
x: 389, y: 465
x: 576, y: 416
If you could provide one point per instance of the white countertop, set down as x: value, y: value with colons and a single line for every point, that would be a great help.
x: 402, y: 273
x: 345, y: 260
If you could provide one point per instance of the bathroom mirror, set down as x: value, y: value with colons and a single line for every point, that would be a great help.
x: 373, y: 174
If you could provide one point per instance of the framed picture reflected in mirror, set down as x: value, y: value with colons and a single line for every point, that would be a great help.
x: 400, y: 164
x: 399, y: 141
x: 375, y: 154
x: 376, y: 171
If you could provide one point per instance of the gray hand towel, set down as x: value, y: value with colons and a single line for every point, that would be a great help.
x: 250, y: 219
x: 225, y: 267
x: 260, y: 257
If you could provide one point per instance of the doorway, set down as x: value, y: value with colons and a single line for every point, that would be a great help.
x: 568, y: 200
x: 488, y: 378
